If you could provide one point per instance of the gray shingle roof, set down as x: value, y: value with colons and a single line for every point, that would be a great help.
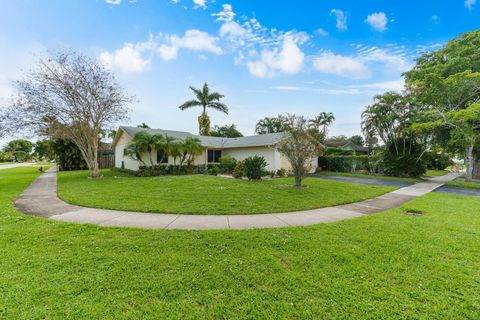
x: 215, y: 142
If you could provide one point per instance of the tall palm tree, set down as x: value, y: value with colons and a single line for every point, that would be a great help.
x: 205, y: 99
x: 325, y: 120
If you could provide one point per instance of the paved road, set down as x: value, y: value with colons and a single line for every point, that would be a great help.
x: 16, y: 165
x: 459, y: 190
x: 40, y: 198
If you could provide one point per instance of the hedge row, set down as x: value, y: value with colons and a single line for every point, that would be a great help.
x: 351, y: 163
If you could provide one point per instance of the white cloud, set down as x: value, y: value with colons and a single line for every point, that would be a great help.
x: 328, y: 62
x: 322, y: 32
x: 287, y: 59
x: 129, y: 58
x: 341, y: 18
x: 193, y: 39
x: 435, y: 19
x: 378, y: 21
x: 114, y: 2
x: 200, y: 4
x: 394, y: 60
x: 393, y: 85
x: 226, y: 14
x: 469, y: 4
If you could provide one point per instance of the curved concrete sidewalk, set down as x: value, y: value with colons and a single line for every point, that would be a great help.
x: 40, y: 198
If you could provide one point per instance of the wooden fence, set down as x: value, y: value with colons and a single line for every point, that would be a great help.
x: 106, y: 161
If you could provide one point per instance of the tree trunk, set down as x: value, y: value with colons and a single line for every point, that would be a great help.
x: 469, y: 163
x: 298, y: 180
x: 476, y: 164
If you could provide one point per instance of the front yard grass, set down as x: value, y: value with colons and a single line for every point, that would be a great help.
x: 383, y: 266
x: 436, y: 173
x: 200, y: 194
x: 463, y: 184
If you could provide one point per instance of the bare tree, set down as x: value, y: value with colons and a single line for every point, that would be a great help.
x: 69, y: 96
x: 299, y: 146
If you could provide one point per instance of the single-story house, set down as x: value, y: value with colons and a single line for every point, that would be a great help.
x: 213, y: 148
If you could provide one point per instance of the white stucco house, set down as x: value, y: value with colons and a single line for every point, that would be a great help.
x: 214, y: 148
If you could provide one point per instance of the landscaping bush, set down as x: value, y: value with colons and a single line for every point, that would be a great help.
x: 410, y: 164
x: 213, y: 171
x: 344, y: 163
x: 123, y: 170
x: 255, y: 167
x: 161, y: 170
x: 437, y: 161
x: 281, y: 172
x: 239, y: 170
x: 227, y: 164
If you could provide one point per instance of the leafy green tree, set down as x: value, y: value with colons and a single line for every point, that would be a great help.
x: 226, y: 131
x: 44, y: 149
x: 20, y: 148
x: 68, y: 155
x: 358, y: 140
x: 465, y: 126
x: 205, y: 99
x: 448, y: 80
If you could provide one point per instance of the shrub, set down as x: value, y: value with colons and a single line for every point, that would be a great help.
x: 227, y: 164
x: 239, y: 170
x: 281, y: 172
x: 255, y: 167
x: 272, y: 174
x: 213, y: 170
x: 404, y: 165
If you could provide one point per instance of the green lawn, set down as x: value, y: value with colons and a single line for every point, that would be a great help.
x: 388, y: 266
x: 4, y: 163
x: 464, y: 184
x: 436, y: 173
x: 200, y: 194
x: 369, y: 176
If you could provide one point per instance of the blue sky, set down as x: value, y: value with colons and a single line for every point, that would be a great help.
x: 267, y: 57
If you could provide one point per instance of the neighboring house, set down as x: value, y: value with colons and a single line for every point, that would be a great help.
x: 214, y: 148
x: 346, y: 145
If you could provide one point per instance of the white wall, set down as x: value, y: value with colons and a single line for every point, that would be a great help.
x: 268, y: 153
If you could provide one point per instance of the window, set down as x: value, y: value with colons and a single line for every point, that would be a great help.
x: 214, y: 155
x: 161, y: 157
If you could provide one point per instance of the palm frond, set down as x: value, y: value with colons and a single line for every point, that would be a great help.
x: 190, y: 104
x: 218, y: 106
x: 215, y: 96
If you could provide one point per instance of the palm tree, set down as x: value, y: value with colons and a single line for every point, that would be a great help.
x: 271, y: 125
x: 324, y: 119
x: 191, y: 147
x: 205, y: 99
x: 144, y: 142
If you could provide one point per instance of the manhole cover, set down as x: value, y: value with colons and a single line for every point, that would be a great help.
x: 415, y: 213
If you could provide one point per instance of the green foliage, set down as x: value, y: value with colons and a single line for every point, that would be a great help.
x: 408, y: 164
x: 322, y: 121
x: 239, y: 171
x: 213, y: 171
x: 44, y: 150
x: 358, y: 140
x: 206, y: 100
x: 68, y: 155
x: 281, y: 172
x: 6, y: 156
x: 227, y: 164
x: 271, y: 125
x: 350, y: 163
x: 437, y: 161
x: 21, y: 149
x: 429, y: 263
x: 226, y: 131
x: 255, y: 167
